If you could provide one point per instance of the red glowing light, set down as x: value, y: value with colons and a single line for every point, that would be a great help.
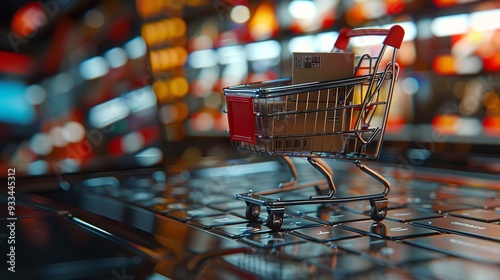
x: 28, y: 19
x: 395, y: 124
x: 395, y: 6
x: 492, y: 63
x: 15, y: 63
x: 491, y: 125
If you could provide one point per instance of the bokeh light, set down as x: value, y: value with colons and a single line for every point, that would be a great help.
x: 240, y: 14
x: 94, y: 18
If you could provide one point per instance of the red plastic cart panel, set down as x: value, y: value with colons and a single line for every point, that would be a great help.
x: 241, y: 119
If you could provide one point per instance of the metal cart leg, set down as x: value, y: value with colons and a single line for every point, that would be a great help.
x: 327, y: 172
x: 379, y: 205
x: 375, y: 175
x: 293, y: 183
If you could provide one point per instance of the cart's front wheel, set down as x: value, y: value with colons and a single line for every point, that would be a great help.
x: 274, y: 219
x: 379, y: 209
x: 253, y: 211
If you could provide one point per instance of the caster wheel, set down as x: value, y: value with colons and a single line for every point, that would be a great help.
x: 379, y: 209
x: 378, y: 229
x: 252, y: 212
x: 274, y: 220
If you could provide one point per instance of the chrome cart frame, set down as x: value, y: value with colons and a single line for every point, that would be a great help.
x: 346, y: 120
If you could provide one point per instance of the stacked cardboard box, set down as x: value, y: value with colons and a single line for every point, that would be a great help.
x: 298, y: 126
x: 320, y: 67
x: 311, y: 113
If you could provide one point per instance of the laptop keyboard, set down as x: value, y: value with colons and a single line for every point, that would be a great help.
x: 431, y: 231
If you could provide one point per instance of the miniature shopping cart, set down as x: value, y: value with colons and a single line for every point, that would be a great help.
x: 345, y: 120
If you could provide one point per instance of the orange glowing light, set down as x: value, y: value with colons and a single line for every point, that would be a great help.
x: 178, y: 26
x: 161, y: 90
x: 355, y: 15
x: 491, y: 100
x: 446, y: 124
x: 159, y: 32
x: 152, y: 8
x: 182, y: 111
x: 444, y: 64
x: 263, y: 24
x: 167, y: 59
x: 179, y: 86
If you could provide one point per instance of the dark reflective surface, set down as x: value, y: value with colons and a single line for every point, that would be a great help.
x: 52, y: 246
x: 144, y: 228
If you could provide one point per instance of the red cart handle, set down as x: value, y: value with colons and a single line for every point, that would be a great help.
x: 394, y: 36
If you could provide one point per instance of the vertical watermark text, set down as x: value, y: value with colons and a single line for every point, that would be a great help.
x: 11, y: 219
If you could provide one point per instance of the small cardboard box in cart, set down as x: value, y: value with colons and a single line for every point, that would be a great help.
x: 316, y: 67
x: 300, y: 129
x: 321, y: 67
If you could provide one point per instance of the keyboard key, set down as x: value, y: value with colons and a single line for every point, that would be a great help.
x: 405, y: 198
x: 169, y: 205
x: 456, y: 269
x: 438, y: 206
x: 478, y: 202
x: 487, y: 216
x: 466, y: 247
x: 464, y: 191
x: 251, y: 266
x: 350, y: 266
x: 235, y: 205
x: 272, y: 239
x: 241, y: 230
x: 205, y: 198
x: 409, y: 214
x: 331, y: 216
x: 343, y: 265
x: 394, y: 253
x: 299, y: 210
x: 301, y: 251
x: 150, y: 202
x: 387, y: 229
x: 324, y: 233
x: 293, y: 223
x: 462, y: 226
x: 491, y: 203
x: 364, y: 207
x: 217, y: 221
x: 191, y: 213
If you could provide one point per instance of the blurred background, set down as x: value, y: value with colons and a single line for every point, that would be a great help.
x: 84, y: 84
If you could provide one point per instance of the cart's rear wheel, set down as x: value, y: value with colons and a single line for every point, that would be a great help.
x: 274, y: 219
x: 253, y: 211
x: 379, y: 209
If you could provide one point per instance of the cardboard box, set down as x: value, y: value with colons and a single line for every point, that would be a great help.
x: 301, y: 129
x: 320, y: 67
